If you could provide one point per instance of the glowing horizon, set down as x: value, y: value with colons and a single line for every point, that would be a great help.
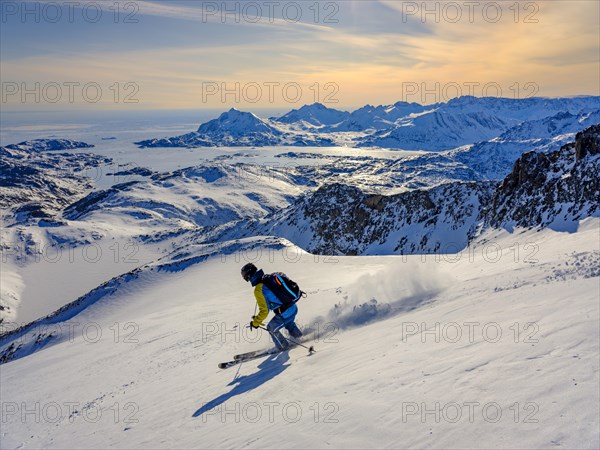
x: 181, y: 55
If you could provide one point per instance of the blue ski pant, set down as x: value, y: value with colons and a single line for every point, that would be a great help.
x: 277, y: 323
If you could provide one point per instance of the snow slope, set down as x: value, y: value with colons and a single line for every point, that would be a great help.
x: 513, y: 363
x: 439, y: 130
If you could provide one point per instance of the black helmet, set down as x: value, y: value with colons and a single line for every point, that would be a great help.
x: 248, y: 271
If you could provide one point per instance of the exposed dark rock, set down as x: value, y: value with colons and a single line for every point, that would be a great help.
x: 587, y: 142
x: 555, y: 189
x: 343, y: 220
x: 550, y: 189
x: 139, y: 171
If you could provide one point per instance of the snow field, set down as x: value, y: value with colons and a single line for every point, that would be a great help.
x: 483, y: 352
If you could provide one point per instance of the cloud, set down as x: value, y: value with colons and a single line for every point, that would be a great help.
x: 558, y: 54
x: 233, y: 13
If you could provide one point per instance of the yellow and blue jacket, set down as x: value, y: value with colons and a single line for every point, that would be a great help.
x: 267, y: 301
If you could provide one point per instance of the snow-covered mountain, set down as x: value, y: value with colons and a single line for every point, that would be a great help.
x: 36, y: 184
x: 236, y: 124
x: 438, y: 130
x: 220, y: 200
x: 494, y: 159
x: 511, y: 111
x: 402, y: 125
x: 316, y: 115
x: 521, y: 110
x: 555, y: 189
x: 199, y: 196
x: 487, y: 160
x: 380, y: 117
x: 342, y: 220
x: 236, y: 128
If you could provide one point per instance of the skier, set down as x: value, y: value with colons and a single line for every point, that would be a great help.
x: 268, y: 301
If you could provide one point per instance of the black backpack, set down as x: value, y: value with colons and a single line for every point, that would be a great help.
x: 286, y: 290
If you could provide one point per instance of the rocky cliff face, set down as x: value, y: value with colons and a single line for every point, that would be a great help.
x: 343, y: 220
x: 551, y: 189
x: 587, y: 142
x: 554, y: 190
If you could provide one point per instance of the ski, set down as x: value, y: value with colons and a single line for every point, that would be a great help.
x: 249, y: 356
x: 257, y: 352
x: 238, y: 359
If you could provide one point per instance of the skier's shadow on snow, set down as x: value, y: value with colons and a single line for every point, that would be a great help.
x: 268, y: 369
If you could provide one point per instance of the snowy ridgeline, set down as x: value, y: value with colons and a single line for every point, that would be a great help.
x: 544, y: 190
x: 52, y: 180
x: 407, y: 126
x: 339, y: 205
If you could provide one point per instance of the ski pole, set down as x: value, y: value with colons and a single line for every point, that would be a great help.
x: 310, y: 349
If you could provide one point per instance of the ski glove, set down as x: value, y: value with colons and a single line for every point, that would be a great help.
x: 252, y: 327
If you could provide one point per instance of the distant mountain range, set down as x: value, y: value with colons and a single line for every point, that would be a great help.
x: 408, y: 126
